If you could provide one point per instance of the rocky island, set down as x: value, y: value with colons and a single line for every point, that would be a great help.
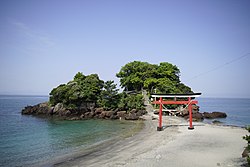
x: 59, y: 111
x: 87, y: 96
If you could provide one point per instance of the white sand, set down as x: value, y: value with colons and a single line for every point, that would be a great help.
x: 175, y: 146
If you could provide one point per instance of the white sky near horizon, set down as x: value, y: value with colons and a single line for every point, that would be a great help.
x: 45, y: 43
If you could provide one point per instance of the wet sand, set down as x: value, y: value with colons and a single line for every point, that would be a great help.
x: 206, y: 145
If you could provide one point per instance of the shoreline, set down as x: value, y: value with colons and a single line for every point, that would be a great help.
x: 87, y: 152
x: 206, y: 145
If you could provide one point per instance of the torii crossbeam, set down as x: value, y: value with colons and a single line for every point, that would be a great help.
x: 188, y: 102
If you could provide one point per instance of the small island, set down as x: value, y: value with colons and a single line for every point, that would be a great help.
x: 87, y: 96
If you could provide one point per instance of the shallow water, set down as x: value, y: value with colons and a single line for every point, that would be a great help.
x: 27, y: 140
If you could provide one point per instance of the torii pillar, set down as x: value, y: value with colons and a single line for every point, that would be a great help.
x: 190, y: 114
x: 159, y: 128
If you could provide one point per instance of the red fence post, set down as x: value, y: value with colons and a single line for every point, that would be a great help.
x: 159, y: 128
x: 190, y: 114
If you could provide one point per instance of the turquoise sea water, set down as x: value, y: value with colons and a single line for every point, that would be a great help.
x: 28, y: 141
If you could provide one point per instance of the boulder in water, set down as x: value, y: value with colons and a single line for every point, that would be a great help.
x: 214, y: 115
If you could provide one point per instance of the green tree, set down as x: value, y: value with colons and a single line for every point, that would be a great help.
x: 168, y: 70
x: 109, y: 97
x: 165, y: 77
x: 128, y: 102
x: 58, y: 95
x: 247, y: 138
x: 133, y: 75
x: 80, y: 90
x: 79, y: 77
x: 91, y: 87
x: 150, y: 84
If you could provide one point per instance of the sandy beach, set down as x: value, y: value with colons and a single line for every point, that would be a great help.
x: 175, y: 146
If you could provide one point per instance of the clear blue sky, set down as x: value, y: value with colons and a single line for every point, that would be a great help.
x: 45, y: 43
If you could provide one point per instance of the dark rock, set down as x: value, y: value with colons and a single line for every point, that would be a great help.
x: 217, y: 122
x: 27, y: 110
x: 245, y: 153
x: 92, y: 109
x: 67, y: 113
x: 214, y: 115
x: 195, y: 117
x: 92, y: 113
x: 89, y: 115
x: 86, y: 111
x: 154, y: 118
x: 195, y: 108
x: 58, y: 108
x: 98, y: 111
x: 39, y: 109
x: 131, y: 116
x: 113, y: 117
x: 184, y: 112
x: 109, y: 113
x: 121, y: 114
x: 195, y: 111
x: 82, y: 116
x: 141, y: 112
x: 102, y: 115
x: 50, y: 112
x: 156, y: 112
x: 133, y: 111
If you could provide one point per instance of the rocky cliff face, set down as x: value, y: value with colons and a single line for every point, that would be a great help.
x: 43, y: 109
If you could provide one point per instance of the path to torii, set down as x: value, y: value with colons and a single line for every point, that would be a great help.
x: 159, y: 100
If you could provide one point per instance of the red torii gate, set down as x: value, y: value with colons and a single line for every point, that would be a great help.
x: 189, y: 102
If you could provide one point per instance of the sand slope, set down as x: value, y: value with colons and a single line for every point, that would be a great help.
x: 175, y: 146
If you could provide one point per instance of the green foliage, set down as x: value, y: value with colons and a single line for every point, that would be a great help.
x: 57, y: 95
x: 248, y: 129
x: 90, y: 88
x: 131, y: 101
x: 109, y: 97
x: 247, y: 138
x: 133, y: 75
x: 163, y: 78
x: 81, y: 90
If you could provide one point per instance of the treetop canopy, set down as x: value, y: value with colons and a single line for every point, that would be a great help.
x: 164, y: 78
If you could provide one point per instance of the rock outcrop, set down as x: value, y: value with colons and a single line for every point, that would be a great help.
x: 196, y: 115
x: 44, y: 109
x: 214, y: 115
